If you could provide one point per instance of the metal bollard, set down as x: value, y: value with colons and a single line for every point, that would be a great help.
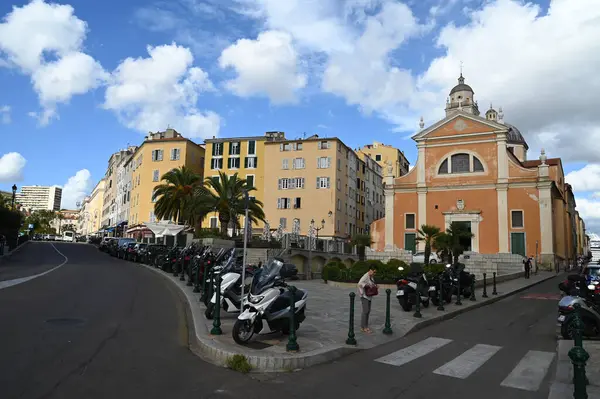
x: 211, y: 287
x: 204, y: 282
x: 440, y: 294
x: 216, y: 330
x: 579, y: 357
x: 387, y: 329
x: 485, y: 295
x: 417, y: 313
x: 472, y: 297
x: 458, y: 300
x: 197, y: 278
x: 494, y: 292
x: 292, y: 345
x: 351, y: 340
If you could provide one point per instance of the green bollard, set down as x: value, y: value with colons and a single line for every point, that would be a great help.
x: 494, y: 292
x: 388, y: 327
x: 472, y: 297
x: 458, y: 295
x: 441, y: 294
x: 351, y: 340
x: 485, y: 295
x: 292, y: 345
x: 417, y: 313
x: 579, y: 357
x: 216, y: 330
x: 197, y: 278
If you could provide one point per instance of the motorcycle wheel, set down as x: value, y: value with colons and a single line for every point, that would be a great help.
x: 448, y: 296
x: 406, y: 306
x: 425, y: 303
x: 435, y: 300
x: 567, y: 329
x: 242, y: 331
x: 209, y: 313
x: 467, y: 294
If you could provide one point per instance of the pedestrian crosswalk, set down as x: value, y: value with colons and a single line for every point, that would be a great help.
x: 528, y: 374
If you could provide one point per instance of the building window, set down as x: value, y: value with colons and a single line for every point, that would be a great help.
x: 298, y: 163
x: 152, y: 218
x: 297, y: 202
x: 378, y: 157
x: 234, y: 148
x: 283, y: 184
x: 175, y: 154
x: 324, y: 145
x: 250, y: 180
x: 409, y: 221
x: 217, y: 149
x: 283, y: 222
x: 251, y: 147
x: 216, y: 163
x: 285, y: 147
x: 250, y: 162
x: 285, y: 163
x: 338, y: 185
x: 517, y: 221
x: 284, y: 203
x: 461, y: 163
x: 339, y: 204
x: 233, y: 163
x: 214, y: 222
x: 155, y: 175
x: 216, y: 179
x: 157, y: 155
x: 298, y: 146
x: 339, y: 164
x: 322, y: 182
x: 323, y: 162
x: 298, y: 182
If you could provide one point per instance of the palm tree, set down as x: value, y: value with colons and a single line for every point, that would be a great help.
x: 442, y: 244
x: 226, y: 196
x: 449, y: 244
x: 175, y: 196
x: 428, y: 234
x: 361, y: 241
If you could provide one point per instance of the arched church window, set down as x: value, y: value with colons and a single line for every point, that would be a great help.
x: 461, y: 163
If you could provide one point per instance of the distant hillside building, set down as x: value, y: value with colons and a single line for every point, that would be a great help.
x: 36, y: 198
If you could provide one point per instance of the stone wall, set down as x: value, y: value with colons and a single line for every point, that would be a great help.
x: 384, y: 256
x: 502, y: 264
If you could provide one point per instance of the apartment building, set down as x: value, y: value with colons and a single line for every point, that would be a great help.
x: 318, y: 179
x: 159, y: 153
x: 90, y: 213
x: 374, y: 194
x: 35, y: 198
x: 123, y: 191
x: 244, y: 156
x: 384, y: 154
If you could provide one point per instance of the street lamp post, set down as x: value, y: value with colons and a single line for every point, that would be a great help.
x: 14, y: 193
x: 246, y: 203
x: 311, y: 231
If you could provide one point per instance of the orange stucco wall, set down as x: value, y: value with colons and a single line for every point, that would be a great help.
x: 486, y: 152
x: 526, y: 199
x: 404, y: 203
x: 449, y: 130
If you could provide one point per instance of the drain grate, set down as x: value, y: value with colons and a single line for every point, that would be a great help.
x: 64, y: 321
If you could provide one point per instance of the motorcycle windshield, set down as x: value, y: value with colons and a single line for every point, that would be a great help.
x: 265, y: 276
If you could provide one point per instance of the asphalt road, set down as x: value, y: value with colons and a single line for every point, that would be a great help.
x: 99, y: 327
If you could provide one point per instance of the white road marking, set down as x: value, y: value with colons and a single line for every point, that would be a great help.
x: 17, y: 281
x: 467, y: 363
x: 530, y: 372
x: 413, y: 352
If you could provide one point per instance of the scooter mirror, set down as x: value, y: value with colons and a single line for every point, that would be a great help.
x: 448, y: 265
x: 400, y: 268
x: 591, y: 287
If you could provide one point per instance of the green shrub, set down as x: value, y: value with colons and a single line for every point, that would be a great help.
x: 358, y: 269
x: 331, y: 271
x: 434, y: 269
x: 239, y: 363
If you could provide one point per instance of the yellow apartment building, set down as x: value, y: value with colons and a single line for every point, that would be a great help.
x: 159, y: 153
x: 384, y: 154
x: 91, y: 211
x: 244, y: 156
x: 318, y: 179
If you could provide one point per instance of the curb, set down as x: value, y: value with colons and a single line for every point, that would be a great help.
x: 217, y: 353
x: 446, y: 316
x: 9, y: 254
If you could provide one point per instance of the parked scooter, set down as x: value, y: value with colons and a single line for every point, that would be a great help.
x: 407, y: 290
x: 458, y: 272
x: 448, y: 287
x: 589, y: 313
x: 267, y: 306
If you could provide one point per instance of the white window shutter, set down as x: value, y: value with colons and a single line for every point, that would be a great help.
x: 289, y: 203
x: 280, y: 147
x: 318, y: 182
x: 328, y: 179
x: 278, y: 203
x: 279, y: 184
x: 328, y: 162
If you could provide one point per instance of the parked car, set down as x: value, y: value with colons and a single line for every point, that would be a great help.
x: 137, y: 252
x: 118, y: 248
x: 419, y: 257
x: 104, y: 244
x: 125, y: 250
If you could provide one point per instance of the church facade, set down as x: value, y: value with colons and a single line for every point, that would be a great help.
x: 474, y: 169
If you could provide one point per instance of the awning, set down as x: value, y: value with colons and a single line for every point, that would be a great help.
x: 167, y: 228
x: 123, y: 223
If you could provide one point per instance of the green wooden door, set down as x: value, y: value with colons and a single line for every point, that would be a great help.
x: 517, y: 243
x: 410, y: 242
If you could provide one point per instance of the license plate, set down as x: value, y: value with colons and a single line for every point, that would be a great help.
x: 561, y: 318
x: 431, y: 288
x: 413, y: 285
x: 400, y: 293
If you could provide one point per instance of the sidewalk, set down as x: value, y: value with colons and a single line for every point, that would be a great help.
x: 562, y: 386
x: 6, y: 253
x: 323, y: 334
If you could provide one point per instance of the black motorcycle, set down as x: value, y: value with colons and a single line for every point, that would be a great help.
x: 448, y: 287
x: 457, y: 272
x: 409, y: 286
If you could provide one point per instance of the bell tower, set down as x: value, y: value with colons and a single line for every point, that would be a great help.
x: 461, y: 98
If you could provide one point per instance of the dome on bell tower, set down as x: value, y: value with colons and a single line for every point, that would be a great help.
x: 461, y: 98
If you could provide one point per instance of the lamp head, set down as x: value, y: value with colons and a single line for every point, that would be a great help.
x: 14, y: 188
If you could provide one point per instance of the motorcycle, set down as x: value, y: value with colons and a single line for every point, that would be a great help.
x: 407, y: 290
x: 589, y: 313
x: 447, y: 287
x: 458, y: 272
x: 267, y: 306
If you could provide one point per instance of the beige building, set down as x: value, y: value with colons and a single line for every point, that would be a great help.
x: 112, y: 195
x: 384, y: 154
x: 244, y: 156
x: 36, y: 198
x: 374, y: 194
x: 159, y: 153
x: 318, y: 179
x: 90, y: 214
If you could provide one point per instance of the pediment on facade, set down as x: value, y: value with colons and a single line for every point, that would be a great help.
x: 460, y: 123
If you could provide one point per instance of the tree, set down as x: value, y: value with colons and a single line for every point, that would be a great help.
x: 69, y: 227
x: 428, y: 234
x: 60, y: 217
x: 226, y: 197
x: 448, y: 244
x: 5, y: 201
x: 361, y: 241
x: 175, y: 195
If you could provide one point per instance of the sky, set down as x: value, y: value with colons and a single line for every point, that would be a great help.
x: 79, y: 80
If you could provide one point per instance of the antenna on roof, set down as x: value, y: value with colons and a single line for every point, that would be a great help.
x: 461, y: 68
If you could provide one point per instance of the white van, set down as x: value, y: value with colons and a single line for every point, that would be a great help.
x: 68, y: 236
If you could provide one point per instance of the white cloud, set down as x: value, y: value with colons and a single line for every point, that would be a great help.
x: 589, y: 210
x: 151, y: 93
x: 76, y: 188
x: 11, y: 167
x: 5, y: 118
x: 265, y: 66
x: 585, y: 179
x: 45, y: 41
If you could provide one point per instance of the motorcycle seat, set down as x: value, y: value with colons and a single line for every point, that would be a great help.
x: 298, y: 296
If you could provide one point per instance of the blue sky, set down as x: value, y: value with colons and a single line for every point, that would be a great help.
x: 361, y: 70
